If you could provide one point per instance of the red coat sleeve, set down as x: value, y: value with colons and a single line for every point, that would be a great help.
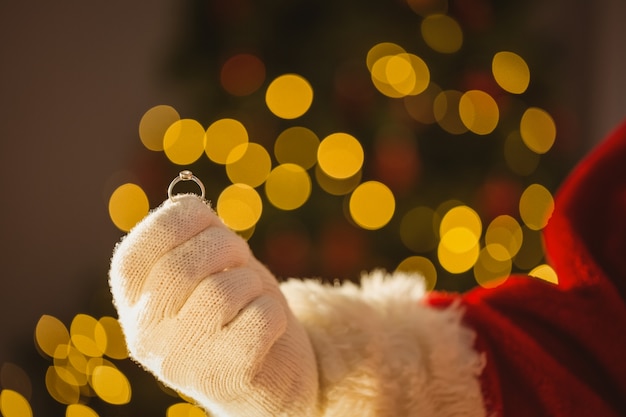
x: 560, y: 350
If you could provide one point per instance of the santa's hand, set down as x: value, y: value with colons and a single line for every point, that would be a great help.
x: 201, y: 313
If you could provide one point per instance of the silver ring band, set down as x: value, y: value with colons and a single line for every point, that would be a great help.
x: 185, y: 175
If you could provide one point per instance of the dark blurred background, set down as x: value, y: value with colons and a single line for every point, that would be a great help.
x: 77, y: 76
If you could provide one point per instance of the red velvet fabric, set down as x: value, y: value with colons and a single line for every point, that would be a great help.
x: 560, y: 350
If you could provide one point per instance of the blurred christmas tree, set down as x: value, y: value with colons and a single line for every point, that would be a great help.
x: 444, y: 98
x: 421, y: 135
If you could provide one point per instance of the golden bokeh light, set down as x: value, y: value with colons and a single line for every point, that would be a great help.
x: 242, y: 74
x: 334, y: 186
x: 239, y: 206
x: 50, y: 332
x: 13, y: 404
x: 221, y: 137
x: 442, y: 33
x: 289, y: 96
x: 460, y: 231
x: 417, y: 230
x: 490, y: 272
x: 510, y: 72
x: 456, y: 262
x: 446, y: 111
x: 400, y: 75
x: 297, y: 145
x: 381, y: 50
x: 538, y: 130
x: 545, y: 272
x: 184, y: 410
x: 59, y: 389
x: 110, y: 338
x: 340, y: 155
x: 154, y: 124
x: 80, y: 410
x: 111, y: 385
x: 251, y: 165
x: 372, y: 205
x: 70, y: 364
x: 459, y: 239
x: 519, y: 158
x: 503, y: 238
x: 479, y: 112
x: 461, y: 216
x: 127, y: 205
x: 536, y: 206
x: 422, y: 266
x: 288, y: 186
x: 83, y: 331
x: 183, y: 142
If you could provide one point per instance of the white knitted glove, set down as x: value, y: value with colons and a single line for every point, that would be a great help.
x: 202, y: 314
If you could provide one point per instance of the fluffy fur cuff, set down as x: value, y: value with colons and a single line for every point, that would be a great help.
x: 382, y: 351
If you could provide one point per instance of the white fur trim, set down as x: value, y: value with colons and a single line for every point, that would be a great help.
x: 383, y: 352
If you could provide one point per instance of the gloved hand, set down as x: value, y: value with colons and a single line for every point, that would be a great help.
x: 202, y: 314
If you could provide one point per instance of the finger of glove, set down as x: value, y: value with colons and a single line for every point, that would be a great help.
x: 218, y: 299
x: 231, y: 357
x: 176, y: 274
x: 167, y: 227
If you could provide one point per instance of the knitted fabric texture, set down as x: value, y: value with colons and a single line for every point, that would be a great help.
x: 207, y: 319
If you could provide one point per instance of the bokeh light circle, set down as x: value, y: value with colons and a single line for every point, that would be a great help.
x: 50, y: 332
x: 221, y: 137
x: 110, y: 338
x: 127, y: 205
x: 442, y: 33
x: 83, y: 331
x: 456, y: 262
x: 239, y: 206
x: 184, y: 410
x: 538, y: 130
x: 289, y: 96
x: 153, y: 125
x: 510, y: 72
x: 340, y: 155
x: 288, y: 186
x: 503, y: 238
x: 461, y: 216
x: 297, y: 145
x: 422, y: 266
x: 372, y: 205
x: 111, y: 385
x: 460, y: 231
x: 479, y: 112
x: 335, y: 186
x: 490, y: 272
x: 381, y: 50
x: 400, y: 75
x: 80, y: 410
x: 183, y: 142
x: 251, y: 168
x: 536, y: 206
x: 13, y: 404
